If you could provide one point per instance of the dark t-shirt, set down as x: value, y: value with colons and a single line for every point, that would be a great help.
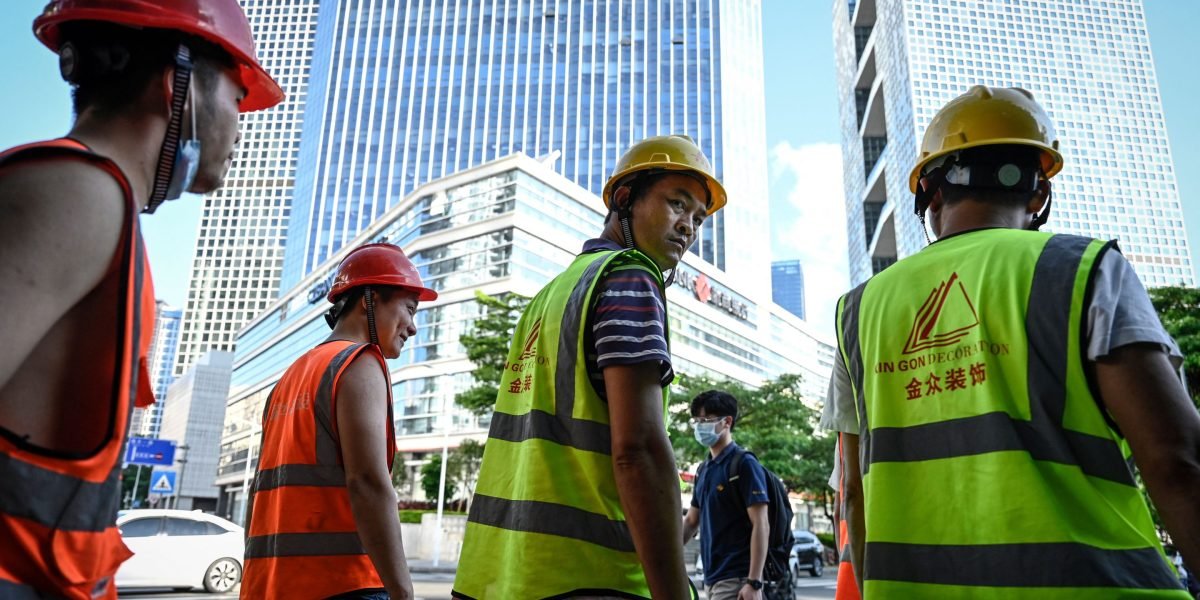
x: 724, y: 524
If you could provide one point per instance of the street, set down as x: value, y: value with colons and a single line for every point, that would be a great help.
x: 436, y: 586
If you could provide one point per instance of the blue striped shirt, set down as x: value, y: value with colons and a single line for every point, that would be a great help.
x: 627, y: 322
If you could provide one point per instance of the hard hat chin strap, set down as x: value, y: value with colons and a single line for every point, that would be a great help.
x: 170, y: 146
x: 370, y: 315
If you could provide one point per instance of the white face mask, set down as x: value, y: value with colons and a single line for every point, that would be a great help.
x: 187, y: 157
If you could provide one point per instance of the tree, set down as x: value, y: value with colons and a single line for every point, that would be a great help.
x: 399, y: 474
x: 487, y: 347
x: 431, y: 474
x: 129, y: 476
x: 1179, y: 310
x: 774, y: 423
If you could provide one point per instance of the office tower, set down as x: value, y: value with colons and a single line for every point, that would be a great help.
x: 239, y: 251
x: 146, y: 421
x: 193, y: 418
x: 787, y: 286
x: 403, y: 93
x: 1088, y: 63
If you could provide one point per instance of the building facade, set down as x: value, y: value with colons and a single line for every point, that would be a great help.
x: 1088, y: 63
x: 239, y: 250
x: 403, y: 93
x: 509, y: 225
x: 787, y: 286
x: 147, y: 421
x: 194, y: 416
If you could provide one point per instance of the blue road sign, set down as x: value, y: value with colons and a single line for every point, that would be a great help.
x: 162, y: 482
x: 148, y: 451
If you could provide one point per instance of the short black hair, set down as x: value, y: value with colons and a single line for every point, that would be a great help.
x: 137, y: 58
x: 716, y: 403
x: 344, y: 304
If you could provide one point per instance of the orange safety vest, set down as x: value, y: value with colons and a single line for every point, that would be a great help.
x: 58, y: 513
x: 302, y: 541
x: 847, y: 585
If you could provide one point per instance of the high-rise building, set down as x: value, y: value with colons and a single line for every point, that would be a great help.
x: 1088, y: 63
x: 239, y: 251
x: 405, y: 93
x: 193, y: 417
x: 146, y: 421
x: 787, y: 286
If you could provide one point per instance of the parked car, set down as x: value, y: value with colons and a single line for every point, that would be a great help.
x: 180, y: 549
x: 807, y: 554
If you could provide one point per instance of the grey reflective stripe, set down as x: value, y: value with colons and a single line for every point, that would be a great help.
x: 61, y: 501
x: 998, y: 432
x: 1047, y: 330
x: 304, y: 544
x: 576, y: 433
x: 552, y: 519
x: 851, y: 303
x: 561, y: 427
x: 1054, y: 565
x: 300, y: 475
x: 11, y: 590
x: 327, y: 444
x: 845, y: 557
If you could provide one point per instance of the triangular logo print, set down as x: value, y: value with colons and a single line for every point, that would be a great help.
x: 944, y: 319
x: 162, y: 485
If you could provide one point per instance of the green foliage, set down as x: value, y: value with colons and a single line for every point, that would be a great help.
x: 414, y: 515
x: 399, y: 473
x: 774, y: 423
x: 827, y: 540
x: 431, y: 473
x: 462, y: 471
x: 487, y: 347
x: 129, y: 476
x: 1179, y: 310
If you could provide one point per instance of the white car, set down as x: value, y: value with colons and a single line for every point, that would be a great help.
x: 180, y: 549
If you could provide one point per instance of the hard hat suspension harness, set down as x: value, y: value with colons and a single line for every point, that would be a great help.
x: 980, y: 172
x: 370, y: 315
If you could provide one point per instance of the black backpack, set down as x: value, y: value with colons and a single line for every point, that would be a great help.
x: 779, y: 515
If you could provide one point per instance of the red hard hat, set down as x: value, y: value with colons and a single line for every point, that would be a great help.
x: 220, y: 22
x: 378, y: 264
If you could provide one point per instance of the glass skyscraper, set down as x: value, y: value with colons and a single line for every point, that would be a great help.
x: 403, y: 93
x: 1088, y: 62
x: 146, y: 422
x: 787, y: 286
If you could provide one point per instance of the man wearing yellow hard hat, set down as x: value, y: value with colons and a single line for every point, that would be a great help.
x: 578, y: 494
x: 993, y: 388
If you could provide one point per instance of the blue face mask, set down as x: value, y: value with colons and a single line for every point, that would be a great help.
x: 706, y: 434
x: 187, y: 157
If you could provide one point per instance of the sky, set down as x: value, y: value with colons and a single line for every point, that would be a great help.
x: 806, y: 197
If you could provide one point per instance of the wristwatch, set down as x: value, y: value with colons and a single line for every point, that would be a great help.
x: 755, y: 584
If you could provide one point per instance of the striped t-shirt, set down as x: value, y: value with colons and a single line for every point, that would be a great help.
x: 627, y: 323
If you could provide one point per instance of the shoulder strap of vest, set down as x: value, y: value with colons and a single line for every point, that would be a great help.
x: 69, y: 147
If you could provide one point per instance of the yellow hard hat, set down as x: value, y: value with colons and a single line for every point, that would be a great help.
x: 667, y: 153
x: 989, y: 116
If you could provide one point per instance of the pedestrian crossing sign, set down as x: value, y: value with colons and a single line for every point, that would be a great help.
x: 162, y: 482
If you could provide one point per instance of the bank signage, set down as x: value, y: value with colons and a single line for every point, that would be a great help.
x: 708, y: 292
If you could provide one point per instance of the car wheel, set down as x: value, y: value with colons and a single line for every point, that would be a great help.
x: 222, y: 575
x: 818, y: 567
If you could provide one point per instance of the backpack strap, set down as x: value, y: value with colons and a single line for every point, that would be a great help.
x: 733, y: 469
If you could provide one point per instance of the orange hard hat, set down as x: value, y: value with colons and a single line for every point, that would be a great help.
x: 220, y: 22
x: 378, y: 264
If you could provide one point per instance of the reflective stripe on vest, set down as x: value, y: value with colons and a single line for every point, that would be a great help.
x: 57, y: 513
x: 546, y: 493
x: 302, y: 538
x: 1040, y: 459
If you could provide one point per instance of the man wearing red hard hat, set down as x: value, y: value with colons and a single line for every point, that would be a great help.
x: 323, y: 518
x: 157, y: 88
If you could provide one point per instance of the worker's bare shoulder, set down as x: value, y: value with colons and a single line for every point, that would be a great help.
x: 363, y: 379
x: 62, y: 222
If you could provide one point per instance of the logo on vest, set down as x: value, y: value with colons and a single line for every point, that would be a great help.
x: 524, y: 383
x: 944, y: 319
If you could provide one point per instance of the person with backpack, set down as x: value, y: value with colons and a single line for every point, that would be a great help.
x: 740, y: 508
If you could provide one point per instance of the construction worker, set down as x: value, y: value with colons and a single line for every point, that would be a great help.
x: 578, y: 494
x: 323, y: 518
x: 995, y: 385
x: 157, y: 88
